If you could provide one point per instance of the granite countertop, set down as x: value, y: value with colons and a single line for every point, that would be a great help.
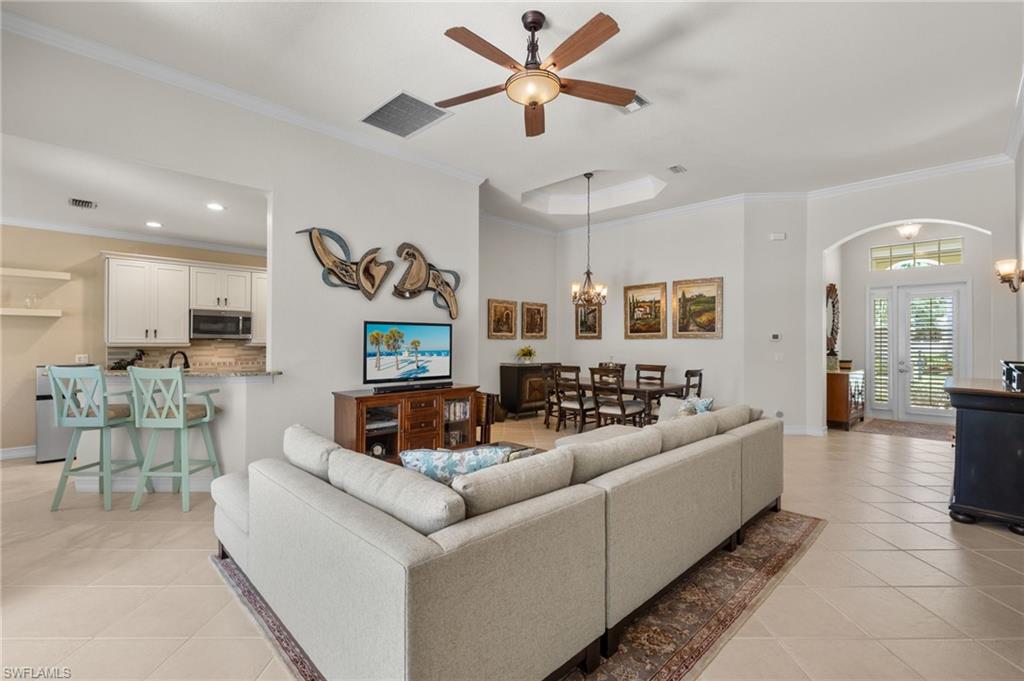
x: 211, y: 373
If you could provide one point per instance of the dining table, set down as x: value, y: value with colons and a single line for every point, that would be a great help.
x: 646, y: 391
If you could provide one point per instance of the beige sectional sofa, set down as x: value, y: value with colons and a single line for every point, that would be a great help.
x: 516, y: 571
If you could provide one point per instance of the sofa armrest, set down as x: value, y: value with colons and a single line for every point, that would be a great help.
x: 762, y: 464
x: 334, y: 569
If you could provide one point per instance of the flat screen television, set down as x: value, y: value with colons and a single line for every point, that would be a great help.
x: 406, y: 351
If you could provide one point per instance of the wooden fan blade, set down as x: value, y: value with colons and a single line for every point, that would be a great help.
x: 534, y: 120
x: 598, y: 92
x: 468, y: 39
x: 470, y: 96
x: 581, y: 43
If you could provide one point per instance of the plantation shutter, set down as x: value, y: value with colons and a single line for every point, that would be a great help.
x: 881, y: 353
x: 932, y: 342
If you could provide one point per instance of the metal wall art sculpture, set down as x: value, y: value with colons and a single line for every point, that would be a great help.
x: 368, y: 273
x: 365, y: 276
x: 420, y: 275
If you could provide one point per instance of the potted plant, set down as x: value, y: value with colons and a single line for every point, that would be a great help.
x: 525, y: 354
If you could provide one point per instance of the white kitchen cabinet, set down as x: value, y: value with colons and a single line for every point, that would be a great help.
x: 220, y: 289
x: 147, y: 303
x: 259, y: 308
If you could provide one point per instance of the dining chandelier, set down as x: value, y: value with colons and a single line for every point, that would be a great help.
x: 589, y: 293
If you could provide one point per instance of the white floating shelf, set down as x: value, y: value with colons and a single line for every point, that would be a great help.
x: 29, y: 312
x: 34, y: 274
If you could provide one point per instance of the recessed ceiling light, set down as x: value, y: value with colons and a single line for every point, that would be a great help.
x: 154, y: 224
x: 213, y: 205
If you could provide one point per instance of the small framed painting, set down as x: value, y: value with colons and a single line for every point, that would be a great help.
x: 697, y: 308
x: 501, y: 319
x: 644, y: 311
x: 535, y: 320
x: 588, y: 322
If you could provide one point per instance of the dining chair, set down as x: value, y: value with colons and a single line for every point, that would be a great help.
x: 82, y: 402
x: 550, y: 391
x: 693, y: 379
x: 486, y: 408
x: 651, y: 374
x: 606, y: 384
x: 161, y: 404
x: 573, y: 402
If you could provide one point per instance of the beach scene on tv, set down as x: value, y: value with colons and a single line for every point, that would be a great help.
x: 404, y: 352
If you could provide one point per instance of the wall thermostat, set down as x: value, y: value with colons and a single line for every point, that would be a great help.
x: 775, y: 337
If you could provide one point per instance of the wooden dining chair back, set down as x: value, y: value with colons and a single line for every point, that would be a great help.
x: 651, y: 374
x: 573, y: 402
x: 606, y: 384
x: 693, y: 381
x: 81, y: 401
x: 486, y: 414
x: 550, y: 391
x: 613, y: 365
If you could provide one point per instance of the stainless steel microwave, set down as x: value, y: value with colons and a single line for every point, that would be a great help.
x: 220, y: 324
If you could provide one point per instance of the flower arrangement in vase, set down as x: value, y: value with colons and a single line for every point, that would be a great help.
x: 525, y: 354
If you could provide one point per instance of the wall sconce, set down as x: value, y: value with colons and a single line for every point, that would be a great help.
x: 1008, y: 273
x: 909, y: 230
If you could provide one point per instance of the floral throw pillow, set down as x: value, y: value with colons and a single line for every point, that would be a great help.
x: 697, y: 405
x: 443, y: 464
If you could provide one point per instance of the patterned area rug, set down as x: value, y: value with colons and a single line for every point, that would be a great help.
x: 925, y: 431
x: 675, y: 640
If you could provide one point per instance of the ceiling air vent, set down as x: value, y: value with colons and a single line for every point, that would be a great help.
x: 677, y: 169
x: 639, y: 102
x: 84, y: 204
x: 404, y: 115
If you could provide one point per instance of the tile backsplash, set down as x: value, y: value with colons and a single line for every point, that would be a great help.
x: 206, y: 354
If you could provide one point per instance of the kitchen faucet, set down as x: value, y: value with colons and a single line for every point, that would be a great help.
x: 170, y: 360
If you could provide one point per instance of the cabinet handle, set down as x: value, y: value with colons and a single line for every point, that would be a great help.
x: 147, y: 333
x: 225, y: 302
x: 218, y: 301
x: 154, y: 333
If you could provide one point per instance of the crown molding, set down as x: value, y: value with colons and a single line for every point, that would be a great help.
x: 911, y: 176
x: 8, y: 221
x: 100, y: 52
x: 654, y: 215
x: 1017, y: 125
x: 490, y: 217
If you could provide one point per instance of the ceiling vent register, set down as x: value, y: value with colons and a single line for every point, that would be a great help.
x: 84, y: 204
x: 404, y: 115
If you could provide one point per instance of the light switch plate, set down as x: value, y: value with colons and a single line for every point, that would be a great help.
x: 81, y: 359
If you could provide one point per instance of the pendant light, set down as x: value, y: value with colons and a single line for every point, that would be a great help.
x: 589, y: 294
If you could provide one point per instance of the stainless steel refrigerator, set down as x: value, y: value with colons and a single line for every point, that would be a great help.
x: 51, y: 440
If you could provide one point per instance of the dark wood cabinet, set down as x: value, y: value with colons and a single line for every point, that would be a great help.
x: 386, y: 424
x: 522, y: 388
x: 845, y: 398
x: 988, y: 475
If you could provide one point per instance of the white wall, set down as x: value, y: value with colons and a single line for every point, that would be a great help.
x: 313, y: 180
x: 707, y: 242
x: 982, y: 196
x: 516, y: 263
x: 976, y: 270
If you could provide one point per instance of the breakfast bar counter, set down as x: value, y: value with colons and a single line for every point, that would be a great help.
x: 988, y: 481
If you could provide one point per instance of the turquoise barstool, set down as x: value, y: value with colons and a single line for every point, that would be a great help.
x: 161, y: 404
x: 81, y: 401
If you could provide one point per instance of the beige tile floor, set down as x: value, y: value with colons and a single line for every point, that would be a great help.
x: 892, y: 589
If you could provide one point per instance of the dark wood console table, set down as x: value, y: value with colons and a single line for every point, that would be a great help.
x: 988, y: 481
x: 389, y: 423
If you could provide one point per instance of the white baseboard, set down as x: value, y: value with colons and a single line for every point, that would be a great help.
x: 26, y: 452
x: 815, y: 431
x: 129, y: 483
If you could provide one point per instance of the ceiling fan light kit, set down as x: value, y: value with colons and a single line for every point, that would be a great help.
x: 534, y: 83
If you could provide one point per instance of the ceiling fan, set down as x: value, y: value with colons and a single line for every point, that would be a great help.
x: 534, y: 83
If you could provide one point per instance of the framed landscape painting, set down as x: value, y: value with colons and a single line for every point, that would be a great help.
x: 535, y: 320
x: 644, y: 310
x: 697, y: 308
x: 588, y: 322
x: 501, y: 319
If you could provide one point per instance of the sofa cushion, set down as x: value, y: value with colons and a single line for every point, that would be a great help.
x: 594, y: 459
x: 756, y: 414
x: 416, y: 500
x: 308, y: 450
x: 597, y: 435
x: 515, y: 481
x: 670, y: 408
x: 443, y: 464
x: 732, y: 417
x: 679, y: 432
x: 231, y: 494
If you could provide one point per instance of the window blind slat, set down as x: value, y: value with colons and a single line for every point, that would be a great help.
x: 880, y: 351
x: 932, y: 341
